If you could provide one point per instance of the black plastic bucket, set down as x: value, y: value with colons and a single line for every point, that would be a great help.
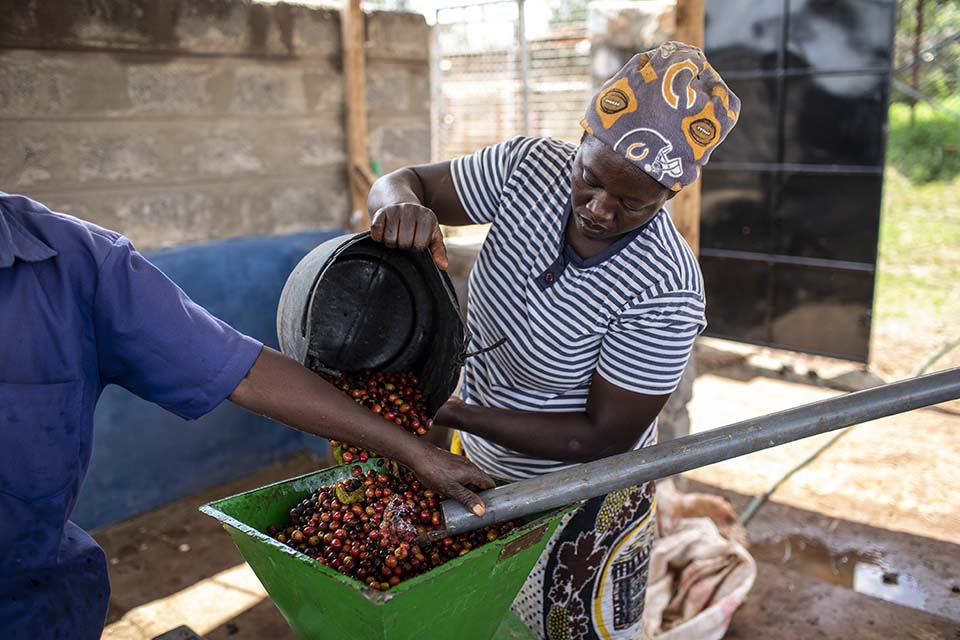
x: 353, y: 304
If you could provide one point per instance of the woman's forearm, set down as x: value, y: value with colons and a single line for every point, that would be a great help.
x: 401, y: 186
x: 568, y: 437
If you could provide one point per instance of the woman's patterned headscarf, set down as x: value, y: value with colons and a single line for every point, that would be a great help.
x: 665, y: 111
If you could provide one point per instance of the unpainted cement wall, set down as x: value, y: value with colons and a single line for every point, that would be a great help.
x: 177, y: 121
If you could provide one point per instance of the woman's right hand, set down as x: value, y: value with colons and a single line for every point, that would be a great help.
x: 412, y: 227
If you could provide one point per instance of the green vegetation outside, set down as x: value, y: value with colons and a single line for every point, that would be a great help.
x: 917, y: 300
x: 929, y: 149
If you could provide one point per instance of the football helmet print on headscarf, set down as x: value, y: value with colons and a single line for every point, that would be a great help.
x: 651, y: 152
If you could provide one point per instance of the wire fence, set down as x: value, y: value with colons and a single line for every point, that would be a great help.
x: 506, y: 68
x: 927, y: 54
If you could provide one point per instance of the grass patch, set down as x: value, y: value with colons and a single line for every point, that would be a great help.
x: 919, y: 267
x: 929, y: 150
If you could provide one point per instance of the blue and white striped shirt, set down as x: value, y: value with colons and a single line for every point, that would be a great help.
x: 630, y: 313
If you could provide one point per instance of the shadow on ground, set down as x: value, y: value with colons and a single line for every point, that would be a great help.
x: 164, y: 551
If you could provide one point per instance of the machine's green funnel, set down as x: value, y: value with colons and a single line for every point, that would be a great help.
x: 468, y: 598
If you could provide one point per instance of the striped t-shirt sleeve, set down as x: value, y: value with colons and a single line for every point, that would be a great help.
x: 480, y: 178
x: 648, y: 346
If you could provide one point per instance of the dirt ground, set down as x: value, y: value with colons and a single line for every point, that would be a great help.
x: 917, y: 296
x: 898, y: 473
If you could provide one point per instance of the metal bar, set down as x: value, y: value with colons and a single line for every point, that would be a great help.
x: 524, y: 67
x: 800, y: 261
x: 600, y: 477
x: 760, y: 74
x: 796, y: 167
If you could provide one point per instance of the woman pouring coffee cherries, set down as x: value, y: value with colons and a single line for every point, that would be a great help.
x: 597, y: 300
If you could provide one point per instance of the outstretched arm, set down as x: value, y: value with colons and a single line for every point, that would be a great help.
x: 281, y: 389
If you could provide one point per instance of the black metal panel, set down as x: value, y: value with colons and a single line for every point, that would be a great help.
x: 755, y: 138
x: 831, y: 217
x: 736, y: 209
x: 834, y: 119
x: 749, y: 283
x: 744, y: 34
x: 791, y: 200
x: 821, y: 310
x: 839, y: 34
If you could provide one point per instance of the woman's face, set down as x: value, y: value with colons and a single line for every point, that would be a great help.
x: 611, y: 196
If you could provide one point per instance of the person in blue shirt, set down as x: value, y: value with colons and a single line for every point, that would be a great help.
x: 82, y: 309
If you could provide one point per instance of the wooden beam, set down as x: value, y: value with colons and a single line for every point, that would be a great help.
x: 690, y: 17
x: 915, y: 71
x: 685, y: 208
x: 355, y: 100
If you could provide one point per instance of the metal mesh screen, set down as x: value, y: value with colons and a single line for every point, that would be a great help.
x: 927, y: 54
x: 509, y: 68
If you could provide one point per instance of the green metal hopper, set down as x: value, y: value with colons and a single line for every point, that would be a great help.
x: 467, y: 598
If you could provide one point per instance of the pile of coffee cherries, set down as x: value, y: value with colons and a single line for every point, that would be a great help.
x: 396, y: 397
x: 370, y: 527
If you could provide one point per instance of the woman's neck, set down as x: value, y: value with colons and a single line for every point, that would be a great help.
x: 585, y: 247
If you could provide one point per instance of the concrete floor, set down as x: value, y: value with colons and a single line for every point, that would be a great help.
x: 790, y: 606
x: 824, y: 577
x: 176, y: 566
x: 898, y: 473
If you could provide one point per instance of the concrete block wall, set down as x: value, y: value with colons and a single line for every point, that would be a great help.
x: 211, y: 133
x: 180, y: 121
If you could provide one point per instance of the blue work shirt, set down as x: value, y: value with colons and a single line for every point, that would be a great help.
x: 81, y: 309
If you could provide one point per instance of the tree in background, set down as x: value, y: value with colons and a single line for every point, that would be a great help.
x: 924, y: 138
x: 931, y: 28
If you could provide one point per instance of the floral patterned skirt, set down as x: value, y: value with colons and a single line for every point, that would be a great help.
x: 591, y: 580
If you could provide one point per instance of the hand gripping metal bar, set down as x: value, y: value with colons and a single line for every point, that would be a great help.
x: 600, y: 477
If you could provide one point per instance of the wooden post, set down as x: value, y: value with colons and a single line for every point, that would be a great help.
x: 915, y: 71
x: 355, y: 100
x: 685, y: 208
